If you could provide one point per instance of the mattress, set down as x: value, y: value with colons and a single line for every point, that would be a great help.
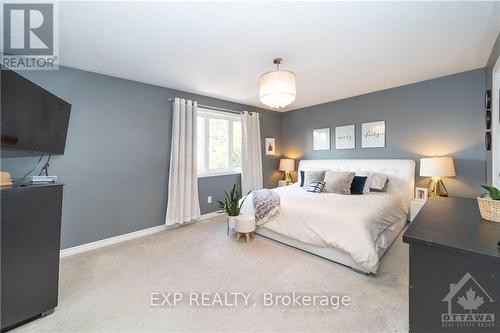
x: 354, y: 224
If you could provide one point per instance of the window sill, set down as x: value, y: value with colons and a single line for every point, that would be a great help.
x: 217, y: 174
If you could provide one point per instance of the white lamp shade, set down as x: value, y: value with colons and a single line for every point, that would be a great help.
x: 437, y: 167
x: 286, y: 164
x: 277, y: 88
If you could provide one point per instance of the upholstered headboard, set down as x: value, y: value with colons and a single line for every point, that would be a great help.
x: 401, y: 173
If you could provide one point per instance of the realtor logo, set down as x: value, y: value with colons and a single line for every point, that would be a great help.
x: 29, y: 36
x: 469, y: 305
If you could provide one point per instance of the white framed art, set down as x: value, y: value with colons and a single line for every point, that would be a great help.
x: 421, y: 194
x: 321, y: 139
x: 345, y: 137
x: 270, y: 146
x: 373, y: 134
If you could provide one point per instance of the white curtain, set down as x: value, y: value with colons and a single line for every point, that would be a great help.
x: 183, y: 205
x: 251, y: 154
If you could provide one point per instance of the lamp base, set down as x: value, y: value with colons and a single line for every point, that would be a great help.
x: 436, y: 187
x: 287, y: 178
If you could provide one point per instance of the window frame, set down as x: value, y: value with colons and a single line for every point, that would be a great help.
x: 208, y: 114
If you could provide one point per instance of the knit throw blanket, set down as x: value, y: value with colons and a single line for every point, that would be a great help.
x: 266, y: 204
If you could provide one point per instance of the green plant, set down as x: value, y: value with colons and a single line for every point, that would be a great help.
x: 492, y: 191
x: 231, y: 203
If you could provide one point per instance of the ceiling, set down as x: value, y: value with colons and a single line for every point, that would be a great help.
x: 336, y: 49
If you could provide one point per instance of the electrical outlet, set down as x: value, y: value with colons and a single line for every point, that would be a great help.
x: 209, y: 199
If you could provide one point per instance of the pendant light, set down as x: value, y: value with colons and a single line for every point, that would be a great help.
x: 278, y: 87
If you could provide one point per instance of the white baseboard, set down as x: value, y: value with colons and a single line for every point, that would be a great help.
x: 109, y: 241
x: 125, y: 237
x: 210, y: 215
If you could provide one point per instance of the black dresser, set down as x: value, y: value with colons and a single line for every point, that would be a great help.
x: 31, y: 232
x: 454, y: 283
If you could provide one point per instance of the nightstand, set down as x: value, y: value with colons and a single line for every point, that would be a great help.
x: 415, y: 207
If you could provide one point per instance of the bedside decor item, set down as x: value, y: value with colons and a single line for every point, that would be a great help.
x: 373, y: 134
x: 345, y: 137
x: 489, y: 204
x: 437, y: 167
x: 277, y: 88
x: 270, y: 146
x: 231, y: 205
x: 321, y: 139
x: 421, y: 193
x: 287, y: 165
x: 245, y: 226
x: 5, y: 179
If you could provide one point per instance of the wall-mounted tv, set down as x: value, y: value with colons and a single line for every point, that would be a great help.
x: 34, y: 121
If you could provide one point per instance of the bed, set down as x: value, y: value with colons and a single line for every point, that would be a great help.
x: 353, y: 230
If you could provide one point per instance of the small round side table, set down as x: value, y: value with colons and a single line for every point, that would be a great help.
x: 245, y: 226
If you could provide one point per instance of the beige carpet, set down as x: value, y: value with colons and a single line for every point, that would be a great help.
x: 109, y: 289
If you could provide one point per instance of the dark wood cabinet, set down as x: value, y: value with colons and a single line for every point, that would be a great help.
x: 30, y: 235
x: 454, y: 283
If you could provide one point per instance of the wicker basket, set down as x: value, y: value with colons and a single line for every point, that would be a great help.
x: 490, y: 209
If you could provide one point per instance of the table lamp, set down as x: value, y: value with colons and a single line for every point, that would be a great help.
x: 286, y: 164
x: 437, y: 167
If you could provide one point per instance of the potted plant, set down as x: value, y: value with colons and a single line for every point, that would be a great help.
x: 489, y: 204
x: 231, y: 204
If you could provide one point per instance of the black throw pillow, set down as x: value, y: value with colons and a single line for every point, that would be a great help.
x: 357, y: 185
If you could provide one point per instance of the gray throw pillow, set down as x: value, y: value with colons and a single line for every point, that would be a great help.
x: 313, y: 176
x: 378, y: 182
x: 338, y: 182
x: 384, y: 189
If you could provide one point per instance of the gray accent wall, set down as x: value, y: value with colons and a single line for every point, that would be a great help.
x: 441, y: 117
x: 118, y: 148
x: 215, y: 187
x: 117, y: 154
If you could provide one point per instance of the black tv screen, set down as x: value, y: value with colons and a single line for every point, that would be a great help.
x: 33, y: 120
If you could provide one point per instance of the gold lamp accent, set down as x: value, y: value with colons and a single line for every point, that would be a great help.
x: 5, y: 179
x: 437, y: 167
x: 287, y: 165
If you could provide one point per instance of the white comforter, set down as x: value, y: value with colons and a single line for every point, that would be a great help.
x: 351, y: 223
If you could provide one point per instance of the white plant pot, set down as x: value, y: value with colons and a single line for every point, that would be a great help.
x: 232, y: 222
x: 245, y: 223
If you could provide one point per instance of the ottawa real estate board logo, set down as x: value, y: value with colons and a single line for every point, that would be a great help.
x: 30, y: 36
x: 469, y: 305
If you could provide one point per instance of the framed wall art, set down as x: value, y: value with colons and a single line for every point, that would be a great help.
x: 321, y: 139
x: 345, y: 137
x: 373, y: 134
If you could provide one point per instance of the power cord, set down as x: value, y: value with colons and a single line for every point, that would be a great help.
x: 33, y: 169
x: 46, y: 167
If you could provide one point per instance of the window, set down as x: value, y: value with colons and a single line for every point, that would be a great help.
x: 219, y: 143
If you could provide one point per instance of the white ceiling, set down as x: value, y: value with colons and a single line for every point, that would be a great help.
x: 337, y: 49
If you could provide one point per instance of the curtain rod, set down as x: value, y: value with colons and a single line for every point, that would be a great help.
x: 212, y: 107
